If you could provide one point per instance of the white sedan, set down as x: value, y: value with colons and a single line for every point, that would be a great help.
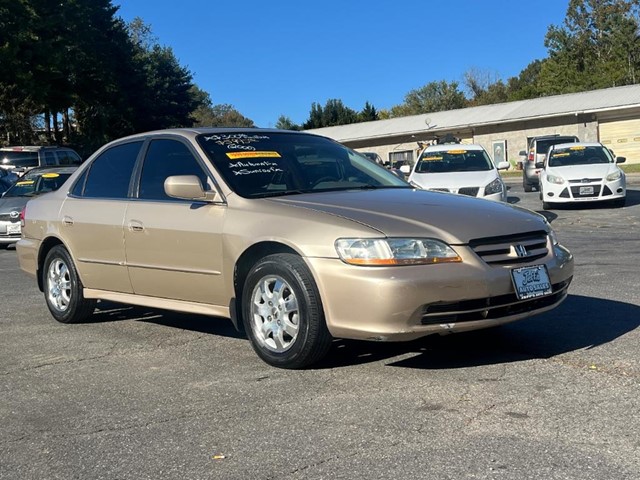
x: 462, y: 169
x: 581, y: 172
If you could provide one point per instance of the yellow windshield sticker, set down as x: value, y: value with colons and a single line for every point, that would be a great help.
x: 431, y: 159
x: 50, y: 175
x: 456, y: 152
x: 577, y: 148
x: 25, y: 182
x: 556, y: 155
x: 239, y: 155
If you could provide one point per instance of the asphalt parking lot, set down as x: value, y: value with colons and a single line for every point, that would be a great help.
x: 139, y: 394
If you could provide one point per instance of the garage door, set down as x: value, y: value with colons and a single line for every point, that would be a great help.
x: 623, y: 137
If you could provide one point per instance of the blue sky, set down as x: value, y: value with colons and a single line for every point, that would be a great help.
x: 277, y: 57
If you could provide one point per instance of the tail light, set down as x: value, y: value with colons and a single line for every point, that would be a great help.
x: 531, y: 156
x: 23, y: 212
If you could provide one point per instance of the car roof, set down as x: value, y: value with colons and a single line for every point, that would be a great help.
x: 453, y: 146
x: 32, y: 148
x: 52, y: 169
x: 576, y: 144
x: 549, y: 137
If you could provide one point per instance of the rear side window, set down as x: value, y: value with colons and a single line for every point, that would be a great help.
x: 110, y: 174
x: 49, y: 158
x: 19, y: 159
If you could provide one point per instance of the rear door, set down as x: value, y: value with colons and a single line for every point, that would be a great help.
x: 92, y: 218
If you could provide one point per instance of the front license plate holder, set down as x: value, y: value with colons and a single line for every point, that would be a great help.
x: 531, y: 282
x: 586, y: 190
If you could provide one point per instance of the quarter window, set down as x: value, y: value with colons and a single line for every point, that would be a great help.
x: 165, y: 158
x: 110, y: 174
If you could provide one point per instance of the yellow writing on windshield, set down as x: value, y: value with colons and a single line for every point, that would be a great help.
x: 238, y: 155
x: 431, y: 159
x: 25, y: 182
x: 50, y: 175
x: 577, y: 148
x: 456, y: 152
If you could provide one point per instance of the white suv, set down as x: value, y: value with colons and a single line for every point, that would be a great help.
x: 462, y: 169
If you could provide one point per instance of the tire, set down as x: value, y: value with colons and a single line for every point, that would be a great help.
x: 282, y: 313
x: 63, y: 288
x: 526, y: 185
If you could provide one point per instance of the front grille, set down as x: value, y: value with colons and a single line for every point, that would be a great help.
x: 606, y: 191
x: 586, y: 180
x: 6, y: 217
x: 490, y: 308
x: 575, y: 192
x: 511, y: 249
x: 470, y: 191
x: 564, y: 194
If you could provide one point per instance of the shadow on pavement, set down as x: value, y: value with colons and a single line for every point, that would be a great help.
x: 579, y: 323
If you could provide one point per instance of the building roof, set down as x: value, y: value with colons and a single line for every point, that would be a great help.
x: 545, y: 107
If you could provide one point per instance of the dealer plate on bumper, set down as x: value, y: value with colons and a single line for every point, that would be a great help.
x: 531, y: 282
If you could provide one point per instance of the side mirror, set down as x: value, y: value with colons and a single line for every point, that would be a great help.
x: 621, y: 159
x: 539, y: 164
x: 188, y: 187
x: 503, y: 165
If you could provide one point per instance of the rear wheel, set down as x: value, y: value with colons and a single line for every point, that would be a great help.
x: 282, y: 313
x: 526, y: 185
x: 63, y: 288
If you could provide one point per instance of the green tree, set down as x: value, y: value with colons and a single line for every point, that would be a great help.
x: 285, y: 123
x: 596, y: 47
x: 432, y: 97
x: 368, y: 113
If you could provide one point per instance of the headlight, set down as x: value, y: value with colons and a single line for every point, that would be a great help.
x: 554, y: 179
x: 614, y: 176
x: 553, y: 237
x: 493, y: 187
x: 394, y: 251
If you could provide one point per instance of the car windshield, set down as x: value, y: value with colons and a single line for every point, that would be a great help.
x: 272, y: 164
x: 32, y: 185
x: 454, y: 160
x: 19, y: 158
x: 542, y: 146
x: 579, y: 155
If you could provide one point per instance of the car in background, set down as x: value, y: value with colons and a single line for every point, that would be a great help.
x: 459, y: 168
x: 581, y: 172
x: 22, y: 158
x: 535, y: 153
x: 34, y: 183
x: 292, y: 235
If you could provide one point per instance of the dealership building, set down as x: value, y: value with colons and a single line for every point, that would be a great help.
x: 610, y: 116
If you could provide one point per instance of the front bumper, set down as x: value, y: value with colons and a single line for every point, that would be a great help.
x: 569, y: 192
x: 405, y: 303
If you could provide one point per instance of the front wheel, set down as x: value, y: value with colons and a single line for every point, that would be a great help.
x: 63, y: 288
x: 282, y: 313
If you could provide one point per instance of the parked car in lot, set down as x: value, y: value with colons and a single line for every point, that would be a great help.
x: 535, y: 153
x: 463, y: 169
x: 374, y: 157
x: 35, y: 182
x: 23, y: 158
x: 291, y: 235
x: 581, y: 172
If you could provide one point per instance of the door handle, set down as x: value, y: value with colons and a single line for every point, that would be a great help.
x: 136, y: 226
x: 67, y: 221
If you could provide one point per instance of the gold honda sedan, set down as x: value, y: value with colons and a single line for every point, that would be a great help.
x: 294, y: 237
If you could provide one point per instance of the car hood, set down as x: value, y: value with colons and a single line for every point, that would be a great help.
x: 578, y: 172
x: 10, y: 204
x: 456, y: 219
x: 454, y: 180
